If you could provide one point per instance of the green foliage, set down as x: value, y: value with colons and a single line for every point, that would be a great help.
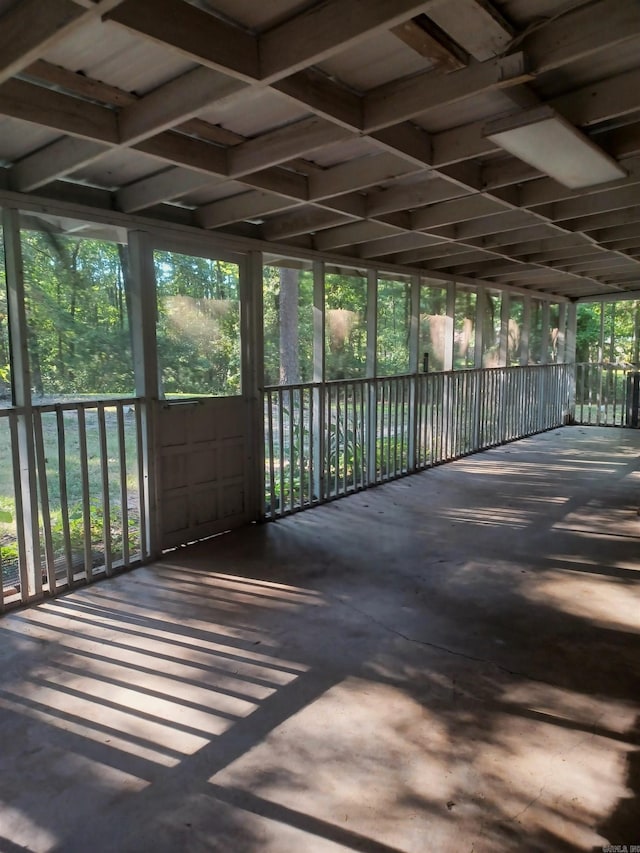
x: 346, y: 326
x: 394, y: 312
x: 273, y: 299
x: 79, y: 339
x: 198, y: 330
x: 464, y: 329
x: 620, y: 322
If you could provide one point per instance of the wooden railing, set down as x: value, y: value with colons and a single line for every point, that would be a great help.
x: 325, y: 440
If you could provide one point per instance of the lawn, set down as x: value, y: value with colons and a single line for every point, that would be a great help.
x: 86, y: 508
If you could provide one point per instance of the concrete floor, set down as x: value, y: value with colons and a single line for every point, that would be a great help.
x: 449, y: 662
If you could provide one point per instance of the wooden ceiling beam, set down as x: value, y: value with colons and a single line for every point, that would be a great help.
x: 517, y: 235
x: 56, y: 160
x: 560, y: 256
x: 169, y: 184
x: 238, y: 208
x: 325, y: 97
x: 426, y: 38
x: 307, y: 220
x: 463, y: 256
x: 280, y: 145
x: 454, y: 212
x: 496, y: 223
x: 616, y: 232
x: 193, y: 32
x: 57, y: 111
x: 587, y: 224
x: 546, y: 191
x: 173, y: 103
x: 329, y: 28
x: 602, y: 202
x: 403, y: 99
x: 30, y: 28
x: 401, y: 242
x: 358, y: 174
x: 581, y: 33
x: 357, y: 232
x: 405, y: 140
x: 411, y: 196
x: 475, y: 25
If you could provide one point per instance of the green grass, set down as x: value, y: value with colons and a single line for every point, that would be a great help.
x: 75, y: 492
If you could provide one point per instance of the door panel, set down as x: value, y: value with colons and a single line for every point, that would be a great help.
x: 204, y: 477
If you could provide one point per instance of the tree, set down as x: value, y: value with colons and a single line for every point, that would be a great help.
x: 289, y: 332
x: 79, y: 339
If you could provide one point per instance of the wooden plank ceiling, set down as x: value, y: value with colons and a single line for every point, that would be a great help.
x: 354, y: 127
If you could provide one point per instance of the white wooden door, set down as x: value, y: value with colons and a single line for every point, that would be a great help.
x: 204, y: 478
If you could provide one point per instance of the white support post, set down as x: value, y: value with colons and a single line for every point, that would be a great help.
x: 505, y: 315
x: 544, y: 337
x: 318, y: 322
x: 414, y: 326
x: 372, y: 324
x: 450, y: 327
x: 144, y: 311
x: 252, y: 333
x: 562, y: 333
x: 31, y: 559
x: 414, y: 368
x: 372, y: 369
x: 524, y: 332
x: 481, y: 310
x: 570, y: 356
x: 318, y: 392
x: 601, y: 340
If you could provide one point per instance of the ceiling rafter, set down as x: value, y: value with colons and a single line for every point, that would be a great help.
x: 453, y: 185
x: 29, y: 28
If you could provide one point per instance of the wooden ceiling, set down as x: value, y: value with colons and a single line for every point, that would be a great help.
x: 351, y: 127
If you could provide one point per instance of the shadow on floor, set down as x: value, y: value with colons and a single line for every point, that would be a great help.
x: 375, y: 675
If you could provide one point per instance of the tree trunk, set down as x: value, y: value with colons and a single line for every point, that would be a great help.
x: 289, y: 333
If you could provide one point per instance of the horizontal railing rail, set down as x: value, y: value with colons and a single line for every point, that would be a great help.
x: 326, y: 440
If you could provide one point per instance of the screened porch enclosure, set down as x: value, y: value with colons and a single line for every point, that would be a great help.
x: 158, y: 389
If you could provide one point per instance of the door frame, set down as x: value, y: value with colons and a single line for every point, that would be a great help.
x: 142, y: 245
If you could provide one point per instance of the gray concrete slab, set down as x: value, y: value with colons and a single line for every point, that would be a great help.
x: 448, y: 662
